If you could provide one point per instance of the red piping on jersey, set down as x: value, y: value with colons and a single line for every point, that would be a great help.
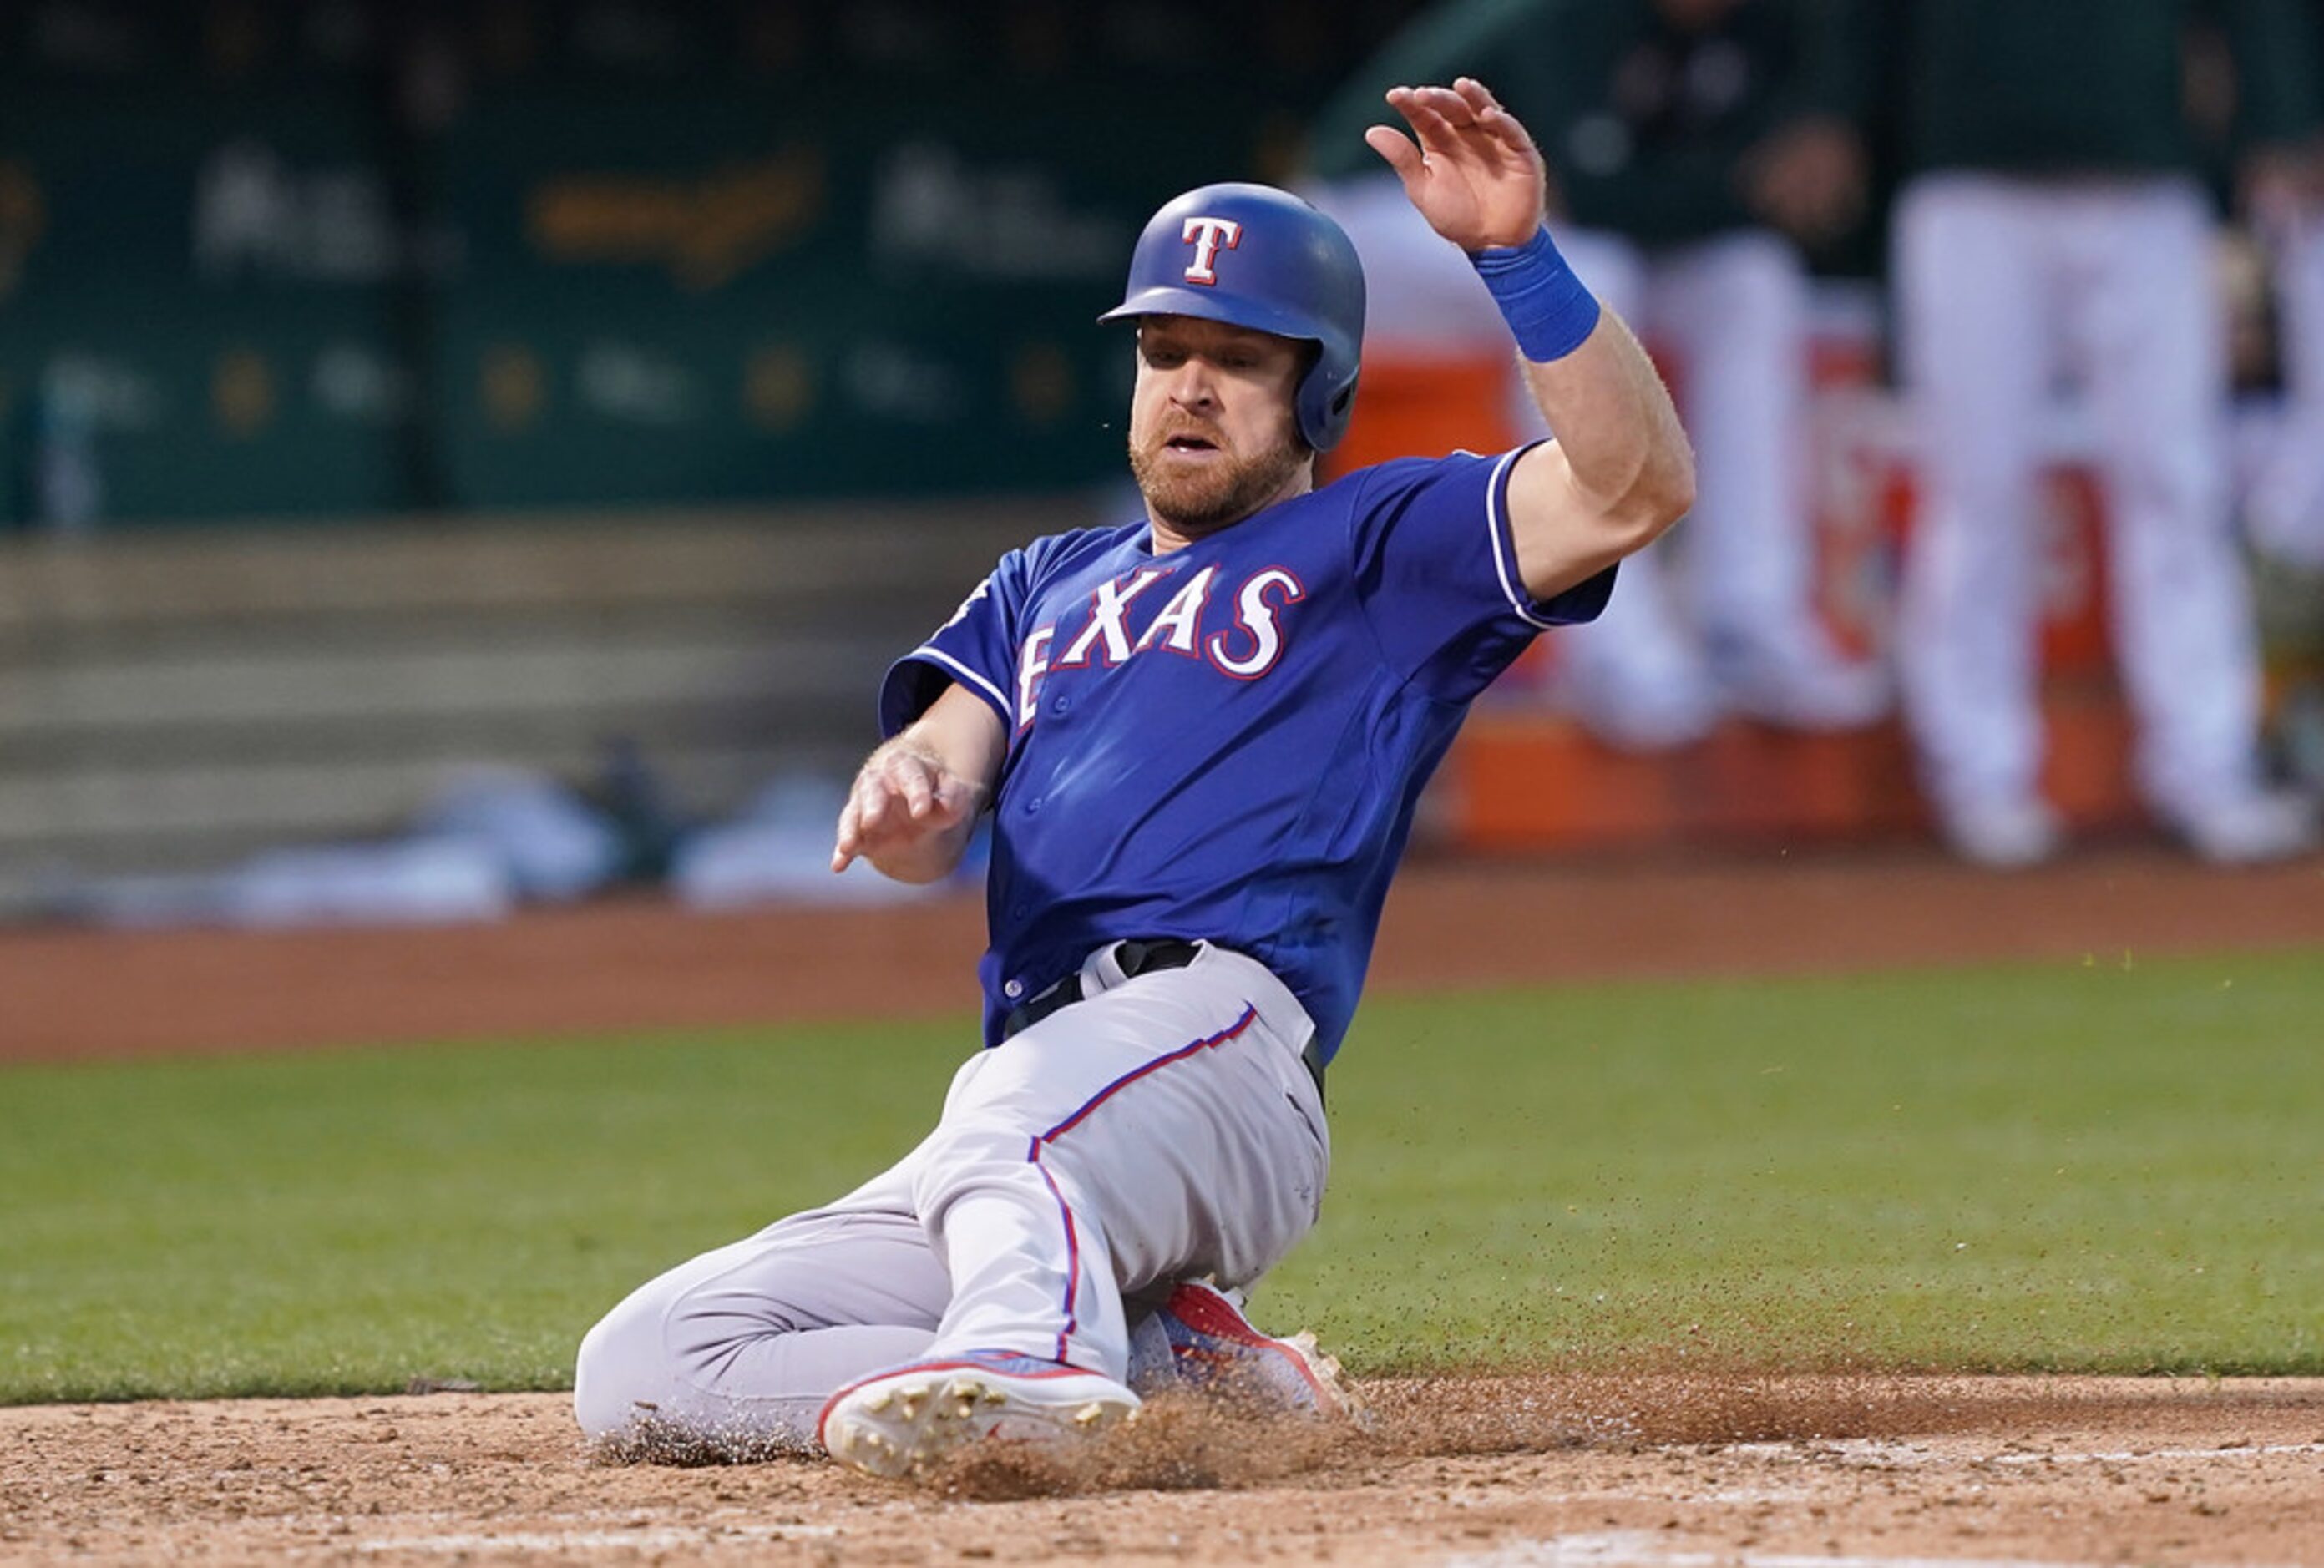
x: 1033, y: 1156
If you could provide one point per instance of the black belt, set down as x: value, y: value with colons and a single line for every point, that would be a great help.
x: 1136, y: 958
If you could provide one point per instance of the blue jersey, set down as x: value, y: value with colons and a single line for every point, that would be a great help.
x: 1227, y: 741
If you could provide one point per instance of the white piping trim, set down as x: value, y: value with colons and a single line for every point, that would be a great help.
x: 1503, y: 565
x: 938, y: 656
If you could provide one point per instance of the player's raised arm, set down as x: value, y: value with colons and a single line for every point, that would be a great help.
x: 1620, y: 470
x: 917, y: 796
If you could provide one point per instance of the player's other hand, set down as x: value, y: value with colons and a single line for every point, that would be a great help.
x: 1476, y: 175
x: 905, y: 804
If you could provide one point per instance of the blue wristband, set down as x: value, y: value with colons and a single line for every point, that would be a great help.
x: 1548, y: 311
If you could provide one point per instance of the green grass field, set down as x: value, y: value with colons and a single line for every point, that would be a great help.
x: 2108, y: 1167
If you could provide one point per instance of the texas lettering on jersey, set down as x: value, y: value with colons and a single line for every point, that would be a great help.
x: 1248, y: 641
x: 1227, y: 741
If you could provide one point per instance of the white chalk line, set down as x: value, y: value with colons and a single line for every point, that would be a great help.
x: 1634, y: 1550
x: 1637, y: 1549
x: 650, y: 1538
x: 1881, y: 1451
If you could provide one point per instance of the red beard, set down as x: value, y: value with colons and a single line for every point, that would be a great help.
x: 1200, y: 498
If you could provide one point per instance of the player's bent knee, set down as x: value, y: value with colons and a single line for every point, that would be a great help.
x: 621, y: 1371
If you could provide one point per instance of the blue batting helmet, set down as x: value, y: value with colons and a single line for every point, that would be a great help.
x: 1251, y: 255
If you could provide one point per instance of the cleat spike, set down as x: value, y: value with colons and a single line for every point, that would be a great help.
x: 903, y: 1422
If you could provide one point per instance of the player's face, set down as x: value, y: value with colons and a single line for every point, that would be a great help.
x: 1212, y: 438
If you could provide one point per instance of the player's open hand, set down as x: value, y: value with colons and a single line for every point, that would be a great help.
x: 1476, y: 175
x: 904, y: 808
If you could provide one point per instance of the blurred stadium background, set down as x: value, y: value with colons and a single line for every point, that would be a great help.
x: 389, y: 387
x: 604, y: 390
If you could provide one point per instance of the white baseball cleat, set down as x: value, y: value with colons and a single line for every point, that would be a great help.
x: 897, y: 1422
x: 1213, y: 1350
x: 2003, y: 833
x: 2246, y: 827
x: 1817, y: 699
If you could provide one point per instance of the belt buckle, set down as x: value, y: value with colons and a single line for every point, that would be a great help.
x: 1137, y: 955
x: 1034, y: 1009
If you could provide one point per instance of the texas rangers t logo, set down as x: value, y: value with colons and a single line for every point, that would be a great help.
x: 1209, y: 235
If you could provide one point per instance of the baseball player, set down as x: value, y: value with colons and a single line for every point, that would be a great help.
x: 2284, y: 195
x: 1697, y: 149
x: 2043, y: 232
x: 1201, y: 736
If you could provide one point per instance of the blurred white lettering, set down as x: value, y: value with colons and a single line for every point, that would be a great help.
x: 930, y: 208
x: 254, y: 214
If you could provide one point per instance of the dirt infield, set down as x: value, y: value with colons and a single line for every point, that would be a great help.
x: 1653, y: 1470
x: 1484, y: 1474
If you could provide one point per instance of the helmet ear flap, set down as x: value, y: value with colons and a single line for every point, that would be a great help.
x: 1325, y: 409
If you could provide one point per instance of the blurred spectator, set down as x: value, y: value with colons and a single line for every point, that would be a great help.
x: 2284, y: 505
x: 2287, y: 495
x: 2052, y: 221
x: 1694, y: 146
x: 2284, y: 203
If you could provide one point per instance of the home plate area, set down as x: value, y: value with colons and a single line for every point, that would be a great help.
x: 1765, y: 1470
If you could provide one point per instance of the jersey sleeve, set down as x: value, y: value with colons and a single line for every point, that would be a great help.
x: 977, y: 648
x: 1435, y: 567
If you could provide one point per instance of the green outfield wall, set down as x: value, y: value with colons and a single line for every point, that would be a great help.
x: 344, y: 258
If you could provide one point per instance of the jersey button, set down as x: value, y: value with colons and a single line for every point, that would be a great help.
x: 1013, y: 989
x: 1059, y: 704
x: 1032, y: 805
x: 1019, y: 913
